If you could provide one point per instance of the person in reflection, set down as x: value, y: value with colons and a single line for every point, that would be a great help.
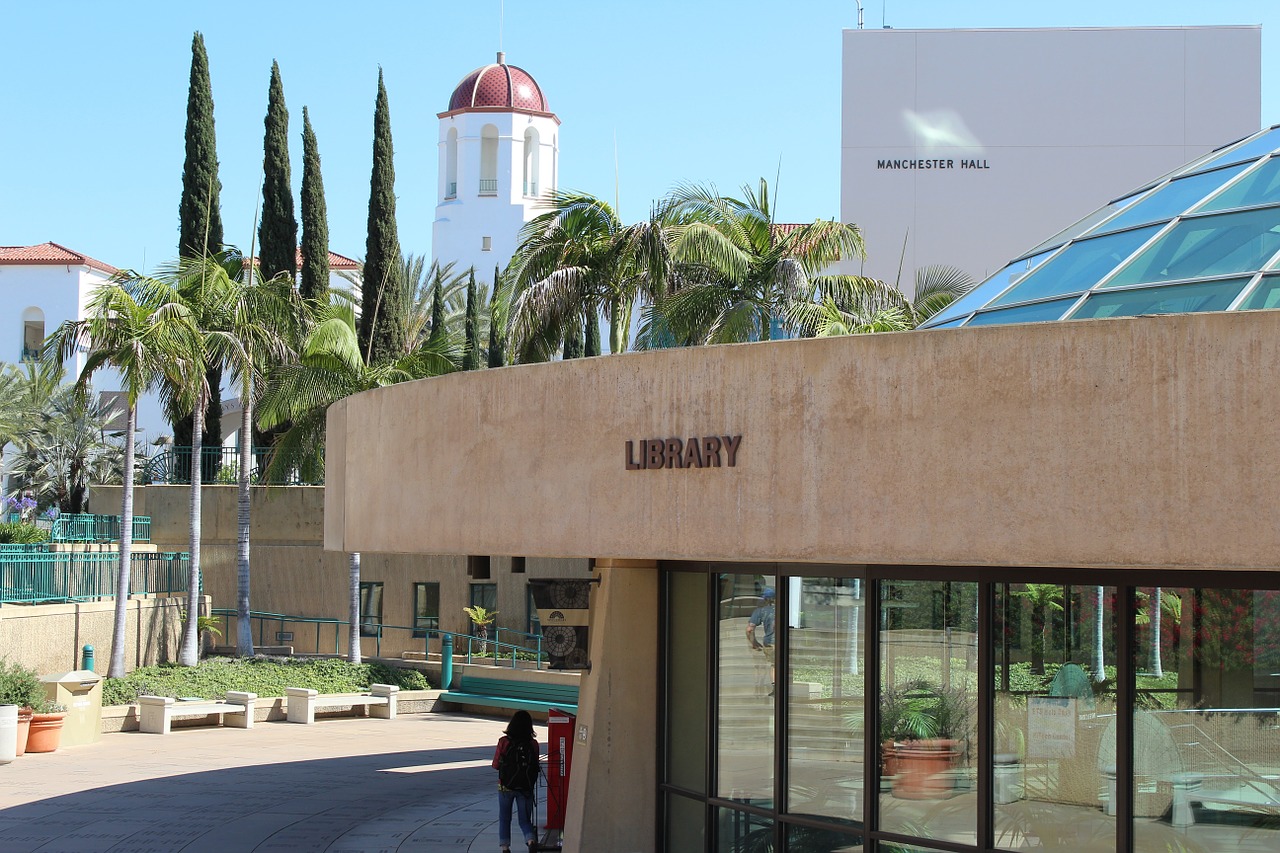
x: 760, y: 630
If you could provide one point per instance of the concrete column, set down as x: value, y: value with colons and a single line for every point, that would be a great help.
x: 612, y: 788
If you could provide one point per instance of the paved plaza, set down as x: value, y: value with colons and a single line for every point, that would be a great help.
x: 421, y: 782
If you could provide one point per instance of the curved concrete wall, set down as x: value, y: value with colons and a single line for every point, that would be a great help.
x: 1135, y: 442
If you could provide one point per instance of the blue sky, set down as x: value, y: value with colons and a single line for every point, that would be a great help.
x: 93, y: 97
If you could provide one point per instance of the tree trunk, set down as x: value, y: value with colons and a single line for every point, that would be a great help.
x: 1099, y: 657
x: 244, y: 631
x: 353, y: 642
x: 1157, y: 665
x: 189, y: 654
x: 116, y: 669
x: 1038, y: 625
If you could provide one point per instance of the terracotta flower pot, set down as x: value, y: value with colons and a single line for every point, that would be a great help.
x: 46, y: 732
x: 24, y: 726
x: 923, y: 768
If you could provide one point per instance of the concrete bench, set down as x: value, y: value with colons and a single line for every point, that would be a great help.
x: 302, y: 702
x: 511, y: 695
x: 156, y: 713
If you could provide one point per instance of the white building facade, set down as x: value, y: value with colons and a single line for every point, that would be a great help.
x: 498, y: 162
x: 964, y: 147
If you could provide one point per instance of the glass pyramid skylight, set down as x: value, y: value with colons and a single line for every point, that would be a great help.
x: 1205, y: 237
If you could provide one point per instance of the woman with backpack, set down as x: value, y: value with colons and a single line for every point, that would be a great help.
x: 516, y: 760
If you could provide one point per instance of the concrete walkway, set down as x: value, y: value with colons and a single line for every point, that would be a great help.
x: 421, y: 782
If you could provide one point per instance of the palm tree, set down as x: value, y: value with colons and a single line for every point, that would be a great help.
x: 742, y: 270
x: 142, y: 341
x: 1045, y: 598
x: 421, y: 281
x: 574, y: 261
x: 853, y: 305
x: 482, y: 619
x: 330, y: 367
x: 260, y: 319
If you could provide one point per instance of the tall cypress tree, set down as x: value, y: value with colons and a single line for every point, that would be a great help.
x: 573, y: 339
x: 592, y: 322
x: 437, y: 307
x: 315, y: 218
x: 200, y: 222
x: 382, y: 333
x: 497, y: 354
x: 471, y: 354
x: 278, y: 230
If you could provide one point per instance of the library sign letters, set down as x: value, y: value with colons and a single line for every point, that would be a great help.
x: 710, y: 451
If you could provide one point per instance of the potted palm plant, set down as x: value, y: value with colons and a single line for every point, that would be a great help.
x: 482, y: 619
x: 19, y: 686
x: 925, y: 729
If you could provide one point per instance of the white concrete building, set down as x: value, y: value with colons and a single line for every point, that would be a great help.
x: 498, y: 160
x: 964, y: 147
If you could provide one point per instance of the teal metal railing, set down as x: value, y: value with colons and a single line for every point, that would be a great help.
x: 86, y: 527
x: 528, y: 650
x: 219, y: 465
x: 36, y: 575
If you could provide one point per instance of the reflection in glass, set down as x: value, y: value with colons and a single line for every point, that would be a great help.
x: 740, y: 832
x: 1207, y: 245
x: 928, y: 709
x: 1087, y: 223
x: 685, y: 824
x: 825, y: 726
x: 1054, y: 739
x: 687, y: 680
x: 1261, y: 186
x: 804, y: 839
x: 1173, y: 198
x: 1265, y: 295
x: 1034, y: 313
x: 987, y: 290
x: 1079, y: 267
x: 1260, y: 145
x: 745, y: 673
x: 1207, y: 721
x: 1174, y: 299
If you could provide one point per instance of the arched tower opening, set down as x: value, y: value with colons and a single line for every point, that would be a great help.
x: 451, y: 164
x: 532, y: 159
x: 489, y: 160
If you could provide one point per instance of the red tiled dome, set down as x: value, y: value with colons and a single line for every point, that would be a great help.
x: 499, y: 85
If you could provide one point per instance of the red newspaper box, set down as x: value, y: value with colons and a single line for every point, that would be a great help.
x: 560, y: 727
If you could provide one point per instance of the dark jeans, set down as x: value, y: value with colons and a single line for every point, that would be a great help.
x: 523, y: 801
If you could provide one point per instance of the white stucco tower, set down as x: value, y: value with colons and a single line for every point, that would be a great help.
x: 499, y: 152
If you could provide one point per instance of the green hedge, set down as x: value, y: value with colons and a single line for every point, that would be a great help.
x: 261, y: 675
x: 20, y: 533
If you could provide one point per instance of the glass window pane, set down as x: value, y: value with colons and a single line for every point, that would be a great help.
x: 686, y: 822
x: 1173, y: 198
x: 426, y: 609
x: 1174, y: 299
x: 825, y: 727
x: 928, y: 709
x: 1266, y: 295
x: 1207, y: 722
x: 1087, y: 223
x: 1054, y: 719
x: 1209, y: 245
x: 370, y: 608
x: 739, y: 832
x: 1034, y: 313
x: 986, y: 291
x: 1261, y: 186
x: 1078, y: 267
x: 745, y: 676
x: 950, y: 324
x: 686, y: 720
x: 804, y: 839
x: 1260, y: 145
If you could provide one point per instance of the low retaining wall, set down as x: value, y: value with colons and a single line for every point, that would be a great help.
x: 49, y: 637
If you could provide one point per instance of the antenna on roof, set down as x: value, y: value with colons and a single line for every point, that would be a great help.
x: 501, y: 9
x: 859, y: 2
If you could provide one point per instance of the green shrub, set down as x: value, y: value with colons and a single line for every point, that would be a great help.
x: 20, y: 686
x: 262, y: 675
x: 21, y: 533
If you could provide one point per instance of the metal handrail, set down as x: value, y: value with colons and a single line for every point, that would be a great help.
x: 219, y: 465
x: 452, y: 191
x: 40, y: 576
x: 488, y: 186
x: 90, y: 527
x: 281, y: 619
